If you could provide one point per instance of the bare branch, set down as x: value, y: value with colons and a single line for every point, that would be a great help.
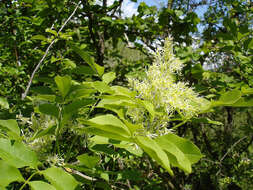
x: 129, y: 44
x: 80, y: 174
x: 47, y: 50
x: 231, y: 148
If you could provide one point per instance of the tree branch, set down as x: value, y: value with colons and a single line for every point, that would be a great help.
x: 80, y: 174
x: 47, y: 50
x: 231, y: 148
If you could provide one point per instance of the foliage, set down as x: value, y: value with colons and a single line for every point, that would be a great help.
x: 62, y: 106
x: 83, y: 126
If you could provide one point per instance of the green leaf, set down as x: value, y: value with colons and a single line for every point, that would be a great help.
x: 106, y: 131
x: 48, y: 131
x: 9, y: 174
x: 228, y: 98
x: 130, y: 147
x: 150, y: 107
x: 46, y: 97
x: 109, y: 120
x: 250, y: 45
x: 84, y: 70
x: 17, y: 154
x: 49, y: 98
x: 107, y: 149
x: 51, y: 31
x: 40, y: 185
x: 102, y: 87
x: 69, y: 64
x: 39, y: 37
x: 60, y: 179
x: 243, y: 102
x: 12, y: 126
x: 49, y: 109
x: 105, y: 176
x: 197, y: 71
x: 191, y: 152
x: 119, y: 90
x: 99, y: 69
x: 88, y: 59
x: 42, y: 90
x: 75, y: 105
x: 247, y: 91
x: 107, y: 18
x: 63, y: 84
x: 55, y: 59
x: 117, y: 100
x: 82, y: 93
x: 169, y: 147
x: 88, y: 161
x: 108, y: 77
x: 154, y: 151
x: 4, y: 103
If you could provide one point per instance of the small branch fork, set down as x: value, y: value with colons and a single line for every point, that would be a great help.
x: 229, y: 150
x: 224, y: 156
x: 47, y: 50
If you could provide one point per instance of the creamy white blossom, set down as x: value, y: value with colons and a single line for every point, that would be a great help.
x: 163, y: 91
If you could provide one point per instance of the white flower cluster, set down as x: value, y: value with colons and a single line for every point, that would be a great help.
x: 161, y: 88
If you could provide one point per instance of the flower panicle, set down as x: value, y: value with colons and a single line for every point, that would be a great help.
x: 161, y: 88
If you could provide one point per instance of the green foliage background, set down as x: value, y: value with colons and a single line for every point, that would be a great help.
x: 72, y: 131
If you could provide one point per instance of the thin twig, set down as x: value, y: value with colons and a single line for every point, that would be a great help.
x: 231, y: 148
x: 47, y: 50
x: 129, y: 44
x: 80, y: 174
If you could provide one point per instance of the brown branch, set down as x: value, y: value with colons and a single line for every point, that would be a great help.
x: 47, y: 50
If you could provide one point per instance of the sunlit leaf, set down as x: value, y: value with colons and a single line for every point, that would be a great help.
x: 63, y: 84
x: 9, y: 174
x: 12, y: 126
x: 88, y: 161
x: 40, y: 185
x: 108, y: 77
x: 190, y: 151
x: 4, y: 103
x: 17, y: 154
x: 60, y: 179
x: 154, y: 151
x: 168, y: 146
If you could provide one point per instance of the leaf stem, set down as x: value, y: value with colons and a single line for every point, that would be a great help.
x: 70, y: 148
x: 178, y: 125
x: 22, y: 187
